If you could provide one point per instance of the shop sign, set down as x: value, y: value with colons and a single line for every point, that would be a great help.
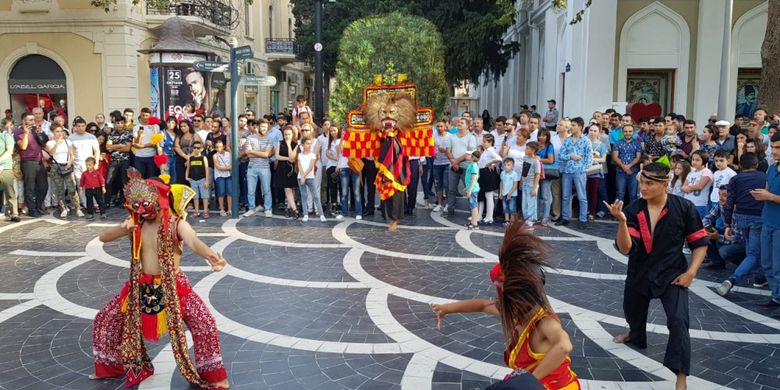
x: 36, y: 86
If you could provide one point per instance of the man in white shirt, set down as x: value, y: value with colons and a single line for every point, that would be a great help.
x: 41, y: 122
x: 533, y: 127
x: 85, y: 145
x: 142, y: 143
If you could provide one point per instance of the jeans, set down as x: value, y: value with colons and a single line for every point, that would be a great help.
x: 146, y: 167
x: 578, y: 180
x: 718, y: 253
x: 242, y: 171
x: 529, y: 203
x: 544, y: 203
x: 94, y: 195
x: 750, y: 226
x: 623, y: 182
x: 411, y: 190
x: 333, y: 186
x: 199, y: 186
x: 36, y: 185
x: 116, y: 179
x: 369, y: 175
x: 593, y: 183
x: 263, y: 174
x: 473, y: 201
x: 602, y: 196
x: 427, y: 179
x: 510, y: 205
x: 440, y: 177
x: 770, y: 258
x: 172, y: 168
x: 222, y: 185
x: 452, y: 189
x: 350, y: 178
x: 310, y: 189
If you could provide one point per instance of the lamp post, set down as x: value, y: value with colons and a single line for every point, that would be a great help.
x: 318, y: 77
x: 235, y: 186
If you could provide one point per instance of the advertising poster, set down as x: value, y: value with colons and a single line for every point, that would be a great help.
x: 154, y: 75
x: 184, y: 85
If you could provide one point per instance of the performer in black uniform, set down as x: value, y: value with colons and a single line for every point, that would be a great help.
x: 651, y: 233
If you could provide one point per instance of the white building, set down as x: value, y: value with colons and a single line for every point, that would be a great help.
x: 665, y: 52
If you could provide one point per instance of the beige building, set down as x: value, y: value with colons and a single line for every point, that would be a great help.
x: 657, y: 54
x: 66, y: 53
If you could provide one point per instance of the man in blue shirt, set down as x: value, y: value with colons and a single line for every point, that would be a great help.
x: 576, y: 156
x: 770, y: 233
x: 626, y: 154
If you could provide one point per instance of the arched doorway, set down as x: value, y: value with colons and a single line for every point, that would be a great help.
x: 38, y: 81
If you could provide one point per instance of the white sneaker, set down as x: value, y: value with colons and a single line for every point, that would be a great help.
x: 305, y: 218
x: 437, y: 209
x: 79, y: 213
x: 444, y: 210
x: 339, y: 217
x: 269, y: 213
x: 259, y: 209
x: 249, y: 213
x: 724, y: 287
x: 64, y: 213
x: 323, y: 219
x: 358, y: 217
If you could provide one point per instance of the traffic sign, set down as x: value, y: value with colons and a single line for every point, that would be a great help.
x: 317, y: 46
x: 207, y: 66
x: 263, y: 81
x: 243, y: 52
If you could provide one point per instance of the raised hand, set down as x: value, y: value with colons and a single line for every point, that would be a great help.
x: 441, y: 312
x: 616, y: 210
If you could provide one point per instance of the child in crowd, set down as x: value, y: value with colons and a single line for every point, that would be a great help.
x: 699, y: 182
x: 530, y: 179
x: 197, y: 173
x: 722, y: 175
x: 535, y: 340
x: 507, y: 191
x: 681, y: 170
x: 306, y: 162
x: 94, y: 185
x: 222, y: 176
x: 670, y: 140
x: 721, y: 249
x: 471, y: 179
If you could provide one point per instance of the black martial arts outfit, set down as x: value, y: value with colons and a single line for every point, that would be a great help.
x: 654, y: 261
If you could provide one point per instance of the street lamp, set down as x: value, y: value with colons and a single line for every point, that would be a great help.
x: 318, y: 77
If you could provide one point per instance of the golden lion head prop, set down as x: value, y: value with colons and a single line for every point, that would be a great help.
x: 384, y: 111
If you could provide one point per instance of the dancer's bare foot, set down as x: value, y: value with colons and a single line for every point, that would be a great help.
x: 681, y: 382
x: 621, y: 339
x: 393, y: 226
x: 93, y: 376
x: 220, y: 385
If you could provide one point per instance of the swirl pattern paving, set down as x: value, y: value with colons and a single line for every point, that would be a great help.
x: 346, y: 305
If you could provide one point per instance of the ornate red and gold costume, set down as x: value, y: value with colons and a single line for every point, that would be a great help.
x: 150, y: 305
x: 390, y: 128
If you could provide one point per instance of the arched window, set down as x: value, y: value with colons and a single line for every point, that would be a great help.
x: 38, y: 81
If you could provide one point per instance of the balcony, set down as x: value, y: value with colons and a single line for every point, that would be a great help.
x: 283, y: 50
x: 207, y: 17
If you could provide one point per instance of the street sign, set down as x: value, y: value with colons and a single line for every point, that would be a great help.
x: 207, y: 66
x: 263, y: 81
x: 243, y: 52
x: 317, y: 46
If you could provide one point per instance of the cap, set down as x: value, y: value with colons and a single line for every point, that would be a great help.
x: 474, y: 153
x: 552, y: 101
x: 722, y: 123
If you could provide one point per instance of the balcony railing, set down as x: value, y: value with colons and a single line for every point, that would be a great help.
x: 281, y: 46
x: 218, y: 13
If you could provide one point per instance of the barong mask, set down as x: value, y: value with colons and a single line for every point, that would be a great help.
x: 387, y: 113
x: 144, y: 198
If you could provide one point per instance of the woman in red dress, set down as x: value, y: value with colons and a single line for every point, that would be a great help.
x: 534, y: 338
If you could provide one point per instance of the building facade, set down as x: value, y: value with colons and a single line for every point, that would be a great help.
x: 69, y: 56
x: 658, y: 56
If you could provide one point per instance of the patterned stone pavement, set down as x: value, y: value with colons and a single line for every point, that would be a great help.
x: 346, y: 305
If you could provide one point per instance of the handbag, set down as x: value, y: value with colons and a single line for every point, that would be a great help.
x: 593, y: 169
x: 62, y: 169
x: 552, y: 173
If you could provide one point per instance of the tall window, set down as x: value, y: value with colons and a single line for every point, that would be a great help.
x: 247, y: 27
x: 270, y: 22
x: 289, y: 28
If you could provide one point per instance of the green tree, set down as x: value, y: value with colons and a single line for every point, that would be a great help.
x: 471, y: 30
x: 410, y: 43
